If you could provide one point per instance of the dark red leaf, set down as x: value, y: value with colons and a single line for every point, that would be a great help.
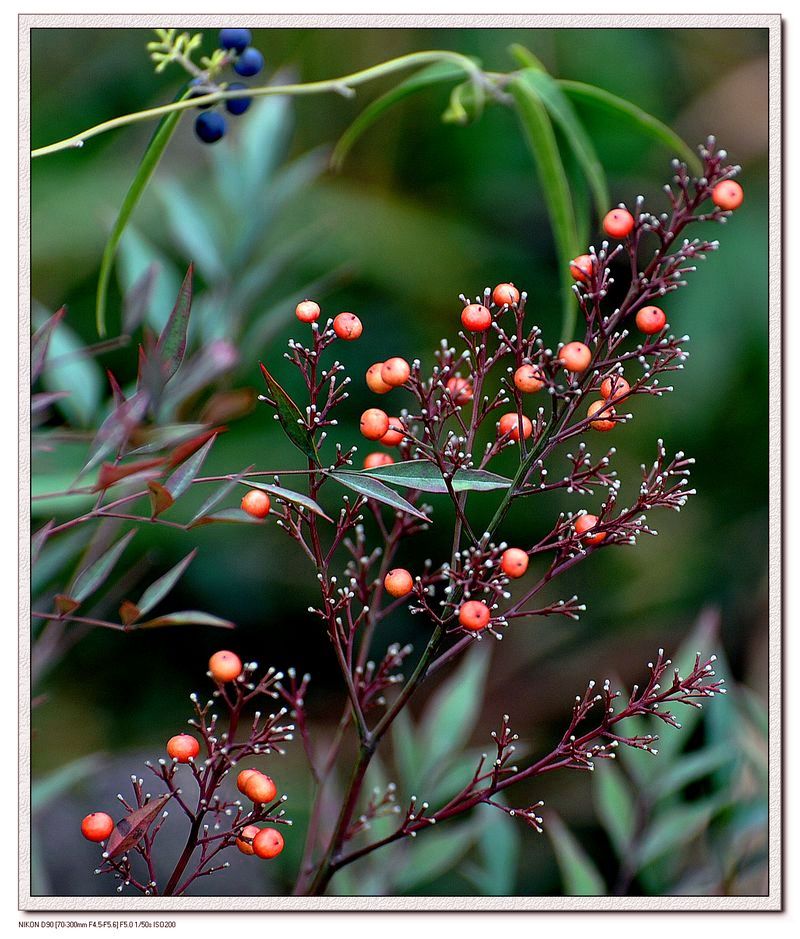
x: 130, y: 830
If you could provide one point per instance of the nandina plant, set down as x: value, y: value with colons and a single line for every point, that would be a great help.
x: 500, y: 385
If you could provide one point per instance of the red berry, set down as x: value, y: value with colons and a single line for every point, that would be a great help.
x: 375, y: 382
x: 582, y: 268
x: 618, y: 223
x: 528, y: 379
x: 347, y: 326
x: 268, y: 843
x: 374, y: 423
x: 728, y: 195
x: 394, y: 434
x: 225, y: 666
x: 614, y: 387
x: 476, y: 318
x: 241, y: 779
x: 398, y: 582
x: 245, y: 840
x: 651, y: 320
x: 307, y: 311
x: 183, y: 747
x: 260, y: 789
x: 514, y: 562
x: 576, y: 356
x: 459, y: 389
x: 509, y: 424
x: 505, y: 295
x: 585, y: 523
x: 395, y: 372
x: 474, y: 615
x: 377, y: 459
x: 256, y: 503
x: 97, y: 826
x: 604, y: 423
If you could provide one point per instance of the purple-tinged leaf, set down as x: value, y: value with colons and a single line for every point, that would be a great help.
x: 160, y: 498
x: 116, y: 391
x: 137, y: 300
x: 115, y: 430
x: 290, y: 417
x: 228, y: 405
x: 40, y: 342
x: 129, y: 612
x: 232, y: 514
x: 111, y: 473
x: 130, y: 830
x: 171, y: 346
x: 215, y: 498
x: 45, y: 398
x: 186, y: 618
x: 288, y: 495
x: 182, y: 478
x: 65, y: 604
x: 374, y: 489
x: 168, y: 435
x: 161, y: 587
x: 38, y: 540
x: 91, y: 578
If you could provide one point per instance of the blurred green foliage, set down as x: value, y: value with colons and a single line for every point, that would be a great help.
x: 421, y: 211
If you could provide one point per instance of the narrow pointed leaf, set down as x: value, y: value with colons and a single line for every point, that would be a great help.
x: 375, y: 489
x: 425, y: 476
x: 110, y: 473
x: 152, y: 155
x: 130, y: 830
x: 65, y: 604
x: 171, y: 346
x: 43, y: 400
x: 186, y: 618
x: 129, y: 612
x: 92, y: 578
x: 160, y: 498
x: 290, y: 417
x: 40, y: 342
x: 182, y: 478
x: 156, y: 592
x: 115, y: 430
x: 214, y: 499
x: 288, y: 495
x: 614, y: 803
x: 578, y: 872
x: 231, y: 514
x: 137, y: 299
x: 38, y: 540
x: 646, y: 123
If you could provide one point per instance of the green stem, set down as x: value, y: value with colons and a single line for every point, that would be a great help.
x: 343, y: 85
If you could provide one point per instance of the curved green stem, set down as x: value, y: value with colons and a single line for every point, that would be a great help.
x: 344, y: 85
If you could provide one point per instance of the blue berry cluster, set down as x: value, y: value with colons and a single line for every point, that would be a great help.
x: 247, y: 62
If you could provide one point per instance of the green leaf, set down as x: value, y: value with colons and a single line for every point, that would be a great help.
x: 161, y: 587
x: 405, y: 750
x: 39, y: 538
x: 290, y: 417
x: 579, y: 875
x: 92, y: 578
x: 186, y: 618
x: 566, y: 119
x: 675, y: 828
x: 171, y: 346
x: 182, y: 478
x: 614, y: 801
x: 40, y: 342
x: 646, y: 123
x: 426, y: 477
x: 466, y: 104
x: 436, y: 853
x: 60, y: 781
x: 541, y: 139
x: 231, y: 514
x: 214, y: 499
x: 191, y: 228
x: 375, y: 489
x: 690, y: 767
x: 149, y: 162
x: 425, y: 78
x: 499, y: 847
x: 453, y: 710
x: 288, y: 495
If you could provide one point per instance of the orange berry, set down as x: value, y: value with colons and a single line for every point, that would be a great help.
x: 394, y: 434
x: 241, y: 779
x: 728, y: 194
x: 474, y: 615
x: 582, y: 268
x: 602, y: 423
x: 225, y: 666
x: 618, y: 223
x: 514, y: 562
x: 260, y: 788
x: 586, y: 523
x: 651, y: 320
x: 395, y: 372
x: 576, y: 356
x: 476, y: 318
x: 268, y: 843
x: 256, y: 503
x: 347, y: 326
x: 97, y: 826
x: 614, y: 387
x: 505, y: 295
x: 377, y: 459
x: 307, y: 311
x: 375, y: 382
x: 459, y: 389
x: 509, y: 424
x: 398, y: 582
x: 374, y: 423
x: 528, y: 378
x: 183, y: 747
x: 245, y: 840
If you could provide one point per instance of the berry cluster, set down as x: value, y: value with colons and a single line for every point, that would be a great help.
x: 247, y: 61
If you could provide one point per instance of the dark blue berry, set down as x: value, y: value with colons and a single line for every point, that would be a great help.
x: 236, y: 39
x: 210, y: 126
x: 249, y: 63
x: 237, y: 105
x: 196, y: 83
